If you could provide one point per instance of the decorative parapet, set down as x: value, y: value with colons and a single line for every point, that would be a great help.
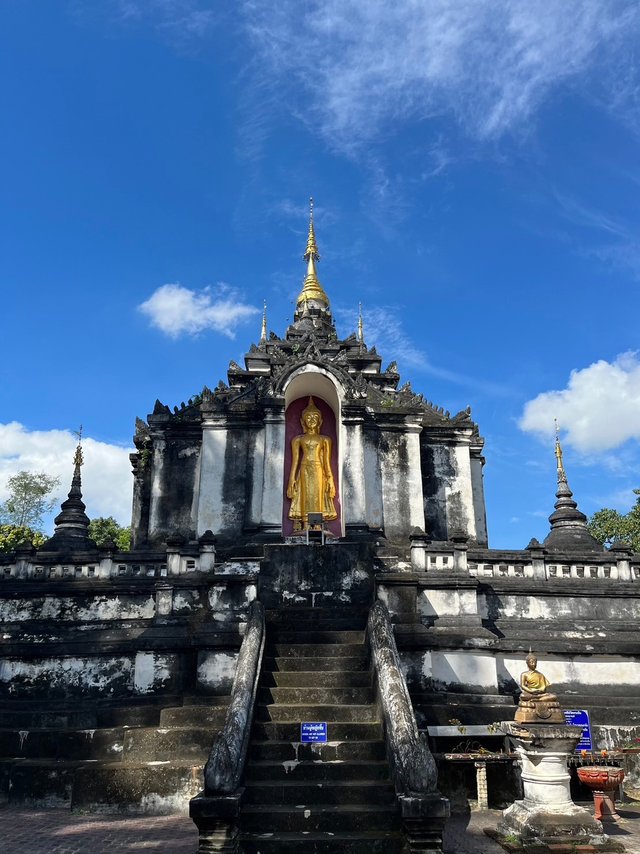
x: 442, y: 559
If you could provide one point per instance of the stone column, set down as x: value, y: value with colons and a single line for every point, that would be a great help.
x: 212, y: 471
x: 353, y: 498
x: 273, y: 471
x: 216, y: 818
x: 481, y: 785
x: 423, y: 820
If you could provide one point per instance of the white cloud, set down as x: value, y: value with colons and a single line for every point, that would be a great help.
x: 361, y: 66
x: 107, y: 481
x: 179, y: 311
x: 598, y: 410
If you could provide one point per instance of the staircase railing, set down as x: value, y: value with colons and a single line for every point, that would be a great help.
x: 224, y: 768
x: 412, y: 765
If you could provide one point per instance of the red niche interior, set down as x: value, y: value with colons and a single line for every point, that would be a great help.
x: 293, y: 428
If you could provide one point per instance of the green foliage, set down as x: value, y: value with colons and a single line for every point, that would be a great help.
x: 106, y: 529
x: 609, y: 526
x: 17, y: 536
x: 29, y: 499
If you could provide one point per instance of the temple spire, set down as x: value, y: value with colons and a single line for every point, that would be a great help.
x: 568, y: 524
x: 360, y: 324
x: 72, y: 523
x: 263, y: 332
x: 312, y: 292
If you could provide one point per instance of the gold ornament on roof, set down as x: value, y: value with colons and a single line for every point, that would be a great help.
x: 311, y: 287
x: 562, y: 475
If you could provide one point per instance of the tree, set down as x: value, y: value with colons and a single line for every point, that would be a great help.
x: 106, y: 529
x: 29, y: 499
x: 17, y: 536
x: 609, y: 526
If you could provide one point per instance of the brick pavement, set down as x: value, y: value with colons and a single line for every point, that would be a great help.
x: 25, y: 831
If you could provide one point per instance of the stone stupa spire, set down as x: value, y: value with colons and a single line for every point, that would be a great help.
x: 263, y: 331
x: 568, y: 524
x: 72, y: 523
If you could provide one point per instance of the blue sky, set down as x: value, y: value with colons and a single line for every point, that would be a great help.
x: 476, y: 170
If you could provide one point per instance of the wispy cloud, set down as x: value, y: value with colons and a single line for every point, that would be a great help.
x: 599, y: 409
x: 383, y: 328
x: 362, y: 66
x: 176, y: 310
x: 106, y: 475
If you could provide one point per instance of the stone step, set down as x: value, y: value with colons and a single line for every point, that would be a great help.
x: 205, y: 700
x: 314, y: 650
x: 298, y: 618
x: 372, y: 842
x: 304, y: 695
x: 316, y: 712
x: 314, y: 770
x: 62, y: 744
x: 311, y: 794
x: 154, y: 788
x: 312, y: 678
x: 327, y: 817
x: 314, y: 636
x: 168, y: 744
x: 290, y: 731
x: 287, y: 751
x: 196, y: 716
x: 322, y: 664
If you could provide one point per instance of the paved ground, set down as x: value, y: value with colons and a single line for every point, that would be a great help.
x: 25, y: 831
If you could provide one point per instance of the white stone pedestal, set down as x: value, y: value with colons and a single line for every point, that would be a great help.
x: 547, y: 813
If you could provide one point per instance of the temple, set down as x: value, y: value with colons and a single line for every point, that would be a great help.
x: 309, y: 540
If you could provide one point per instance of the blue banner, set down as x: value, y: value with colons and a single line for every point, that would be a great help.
x: 580, y: 717
x: 313, y: 731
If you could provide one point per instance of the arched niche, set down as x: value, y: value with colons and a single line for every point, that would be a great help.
x: 311, y: 380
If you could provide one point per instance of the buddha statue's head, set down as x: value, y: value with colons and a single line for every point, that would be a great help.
x: 311, y: 418
x: 532, y: 661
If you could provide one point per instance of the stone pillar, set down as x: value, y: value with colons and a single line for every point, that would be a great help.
x: 477, y: 488
x: 212, y: 471
x: 273, y: 473
x: 423, y: 821
x: 414, y: 480
x: 372, y: 481
x: 622, y: 555
x: 207, y: 544
x: 419, y: 542
x: 547, y: 812
x: 164, y: 599
x: 174, y: 558
x: 353, y: 498
x: 481, y: 785
x: 216, y: 818
x: 536, y: 552
x: 157, y: 483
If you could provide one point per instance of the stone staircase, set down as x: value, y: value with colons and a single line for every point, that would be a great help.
x: 143, y: 758
x: 333, y: 797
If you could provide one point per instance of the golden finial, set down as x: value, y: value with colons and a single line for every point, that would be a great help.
x: 263, y: 333
x: 360, y: 325
x: 562, y: 475
x: 78, y: 458
x: 311, y: 287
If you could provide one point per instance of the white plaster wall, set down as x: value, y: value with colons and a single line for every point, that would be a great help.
x: 101, y: 608
x: 402, y: 483
x: 440, y: 603
x: 152, y: 671
x: 273, y: 470
x: 216, y: 671
x: 71, y: 674
x: 255, y: 505
x: 531, y: 607
x: 582, y: 672
x: 461, y: 669
x: 353, y: 496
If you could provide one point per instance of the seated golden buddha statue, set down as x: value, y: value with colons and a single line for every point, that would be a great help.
x: 537, y: 704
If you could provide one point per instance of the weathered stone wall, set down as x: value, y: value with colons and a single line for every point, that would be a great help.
x: 452, y: 503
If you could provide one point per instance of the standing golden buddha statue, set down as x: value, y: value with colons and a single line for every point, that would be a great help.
x: 311, y: 486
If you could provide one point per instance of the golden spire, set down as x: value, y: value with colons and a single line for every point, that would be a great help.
x: 562, y: 475
x: 360, y: 326
x: 311, y: 287
x: 263, y: 333
x: 78, y: 458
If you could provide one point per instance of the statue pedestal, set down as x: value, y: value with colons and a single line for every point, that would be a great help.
x: 547, y: 813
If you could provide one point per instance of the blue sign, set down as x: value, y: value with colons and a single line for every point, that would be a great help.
x: 313, y: 731
x: 580, y: 717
